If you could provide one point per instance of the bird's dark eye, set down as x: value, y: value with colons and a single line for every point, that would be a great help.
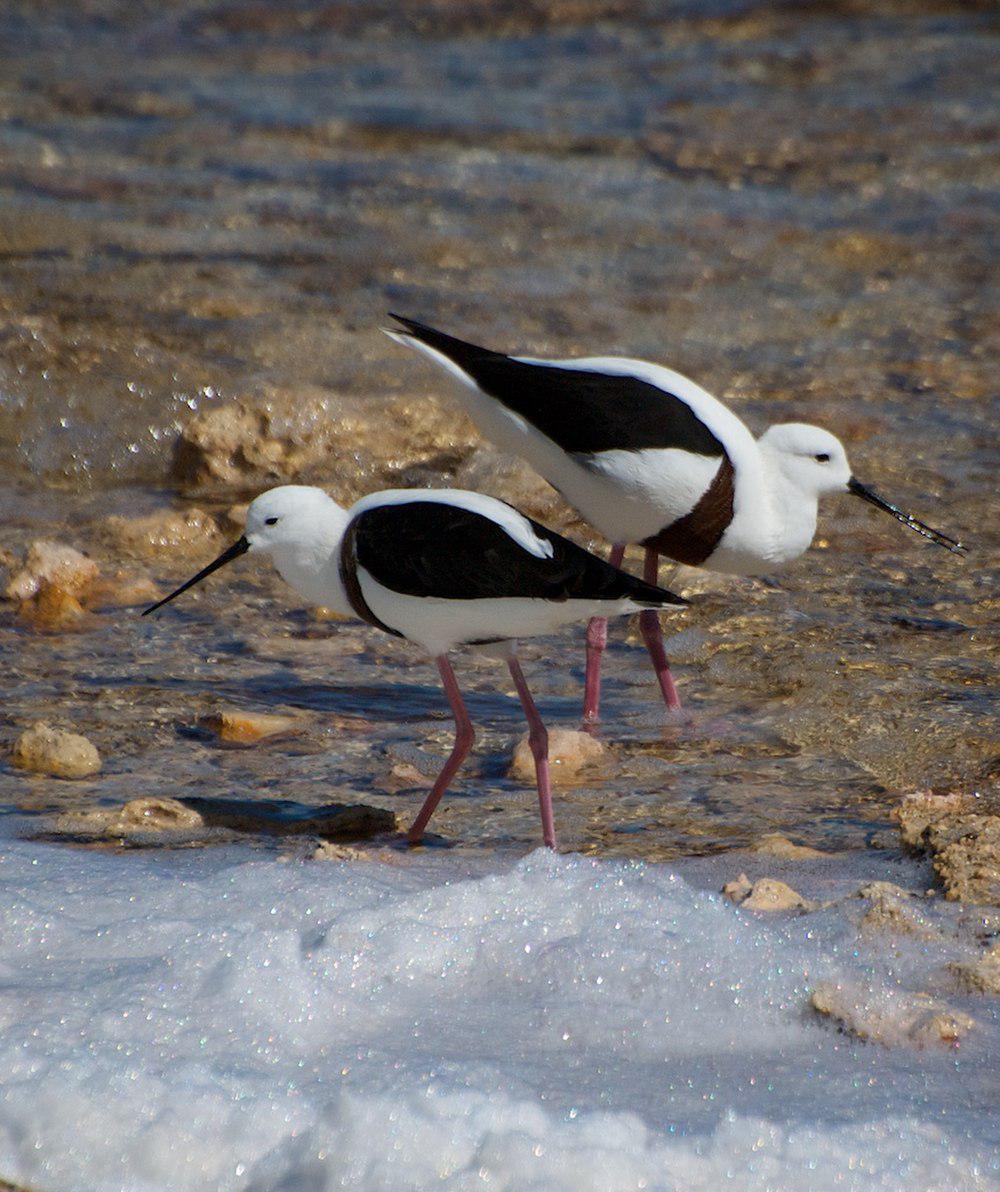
x: 822, y: 458
x: 273, y: 521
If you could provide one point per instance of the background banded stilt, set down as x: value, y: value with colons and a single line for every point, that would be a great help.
x: 648, y: 457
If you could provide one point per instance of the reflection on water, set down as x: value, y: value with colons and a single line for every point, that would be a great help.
x: 198, y: 202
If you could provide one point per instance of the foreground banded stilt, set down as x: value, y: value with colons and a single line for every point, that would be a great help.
x: 441, y: 568
x: 649, y: 457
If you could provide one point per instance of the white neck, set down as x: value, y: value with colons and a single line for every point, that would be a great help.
x: 311, y: 563
x: 792, y: 510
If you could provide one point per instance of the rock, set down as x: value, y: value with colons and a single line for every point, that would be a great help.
x: 966, y: 856
x: 766, y: 894
x: 55, y: 565
x: 327, y: 850
x: 890, y: 1017
x: 47, y: 750
x: 256, y: 441
x: 166, y: 529
x: 977, y: 976
x: 313, y: 433
x: 278, y: 817
x: 962, y: 840
x: 776, y: 845
x: 891, y: 908
x: 569, y: 753
x: 404, y: 776
x: 246, y: 728
x: 917, y: 812
x: 738, y: 889
x: 53, y: 609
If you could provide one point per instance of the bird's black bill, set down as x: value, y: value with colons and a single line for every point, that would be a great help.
x: 866, y: 494
x: 240, y: 547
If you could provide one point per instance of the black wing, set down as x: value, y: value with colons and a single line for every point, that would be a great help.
x: 584, y: 412
x: 434, y: 549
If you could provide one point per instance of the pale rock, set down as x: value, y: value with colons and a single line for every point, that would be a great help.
x: 765, y: 894
x: 329, y: 850
x: 570, y: 752
x: 47, y: 750
x: 237, y: 727
x: 51, y: 564
x: 889, y: 1016
x: 768, y: 894
x: 776, y: 845
x: 152, y: 813
x: 893, y: 909
x: 147, y: 815
x: 184, y: 531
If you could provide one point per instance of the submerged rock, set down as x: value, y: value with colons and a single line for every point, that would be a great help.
x: 47, y: 750
x: 277, y: 817
x: 890, y: 1017
x: 166, y: 529
x: 121, y: 590
x: 766, y: 894
x: 246, y: 728
x: 404, y: 776
x: 307, y: 433
x: 569, y: 753
x: 54, y: 610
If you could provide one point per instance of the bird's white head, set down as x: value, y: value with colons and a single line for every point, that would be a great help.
x: 294, y: 519
x: 808, y: 457
x: 814, y: 462
x: 299, y: 528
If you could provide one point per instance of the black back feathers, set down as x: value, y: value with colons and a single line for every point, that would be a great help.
x: 585, y: 412
x: 440, y: 550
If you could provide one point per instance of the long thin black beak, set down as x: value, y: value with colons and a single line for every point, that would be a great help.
x: 240, y: 547
x: 866, y: 494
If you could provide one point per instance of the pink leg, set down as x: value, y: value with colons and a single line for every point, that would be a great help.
x: 538, y: 739
x: 597, y: 639
x: 464, y: 736
x: 652, y: 635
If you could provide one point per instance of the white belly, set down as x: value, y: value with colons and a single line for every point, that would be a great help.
x: 441, y: 625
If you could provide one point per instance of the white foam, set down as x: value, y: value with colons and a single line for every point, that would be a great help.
x: 195, y: 1021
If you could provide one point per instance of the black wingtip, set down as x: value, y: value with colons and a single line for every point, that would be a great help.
x: 659, y: 597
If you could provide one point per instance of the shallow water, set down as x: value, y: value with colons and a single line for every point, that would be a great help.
x: 199, y: 201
